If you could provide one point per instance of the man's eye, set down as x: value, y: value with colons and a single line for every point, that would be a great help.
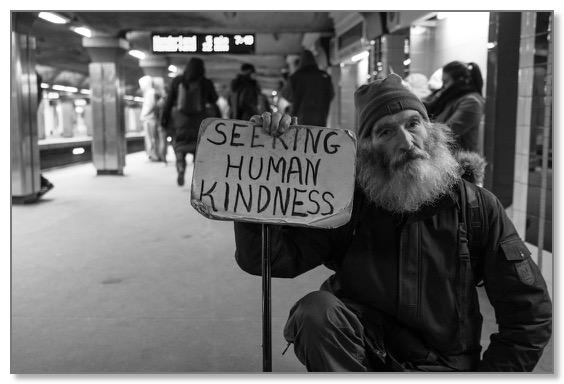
x: 414, y: 124
x: 384, y: 132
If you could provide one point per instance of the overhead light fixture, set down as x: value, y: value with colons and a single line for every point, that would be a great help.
x: 85, y: 91
x: 65, y: 88
x: 53, y: 18
x: 172, y: 68
x: 137, y: 54
x: 44, y: 85
x: 360, y: 56
x: 82, y: 31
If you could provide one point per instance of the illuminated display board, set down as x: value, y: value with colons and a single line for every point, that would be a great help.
x: 203, y: 43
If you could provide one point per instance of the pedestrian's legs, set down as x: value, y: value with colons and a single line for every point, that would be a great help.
x: 180, y: 165
x: 153, y: 139
x: 162, y: 143
x: 327, y: 336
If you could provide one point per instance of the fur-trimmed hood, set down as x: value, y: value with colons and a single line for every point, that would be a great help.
x: 472, y: 166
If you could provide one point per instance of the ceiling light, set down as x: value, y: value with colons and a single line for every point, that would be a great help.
x: 137, y: 54
x: 85, y: 91
x: 172, y: 68
x: 53, y: 18
x: 82, y: 31
x: 44, y: 85
x: 360, y: 56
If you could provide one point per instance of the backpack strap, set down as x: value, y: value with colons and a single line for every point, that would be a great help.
x: 465, y: 269
x: 476, y: 228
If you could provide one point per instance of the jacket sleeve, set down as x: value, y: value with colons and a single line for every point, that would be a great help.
x: 466, y: 116
x: 519, y: 295
x: 294, y: 250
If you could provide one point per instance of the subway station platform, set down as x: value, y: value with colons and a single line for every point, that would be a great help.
x: 119, y: 274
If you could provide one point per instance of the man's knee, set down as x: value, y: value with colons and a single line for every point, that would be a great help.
x: 319, y: 312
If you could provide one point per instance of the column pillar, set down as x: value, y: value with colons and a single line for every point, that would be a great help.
x: 67, y: 122
x: 107, y: 87
x: 23, y: 111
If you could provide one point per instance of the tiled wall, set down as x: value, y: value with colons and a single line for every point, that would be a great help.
x: 532, y: 189
x: 524, y: 103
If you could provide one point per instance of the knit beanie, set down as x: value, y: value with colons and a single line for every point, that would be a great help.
x: 384, y: 97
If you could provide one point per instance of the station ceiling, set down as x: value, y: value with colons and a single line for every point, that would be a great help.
x: 62, y: 59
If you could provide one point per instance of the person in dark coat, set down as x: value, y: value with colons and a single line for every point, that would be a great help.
x: 310, y: 91
x: 245, y: 94
x: 420, y: 238
x: 184, y: 110
x: 459, y: 103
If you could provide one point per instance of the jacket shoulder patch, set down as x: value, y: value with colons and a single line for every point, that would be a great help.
x: 525, y: 272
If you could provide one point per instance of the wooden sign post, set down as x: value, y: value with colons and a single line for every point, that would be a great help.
x: 304, y: 177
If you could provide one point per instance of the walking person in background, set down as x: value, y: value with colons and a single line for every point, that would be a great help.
x: 162, y: 133
x: 420, y: 239
x: 310, y: 91
x: 459, y: 103
x: 44, y: 183
x: 185, y: 106
x: 148, y: 117
x: 245, y: 99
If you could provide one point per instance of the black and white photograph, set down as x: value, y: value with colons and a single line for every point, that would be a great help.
x: 281, y: 193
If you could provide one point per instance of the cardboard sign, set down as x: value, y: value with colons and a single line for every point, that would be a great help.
x: 305, y: 177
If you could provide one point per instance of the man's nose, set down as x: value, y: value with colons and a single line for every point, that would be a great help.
x: 404, y: 139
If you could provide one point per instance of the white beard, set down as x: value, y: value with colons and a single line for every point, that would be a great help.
x: 404, y: 184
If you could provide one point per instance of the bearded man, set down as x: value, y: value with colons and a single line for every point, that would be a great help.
x: 403, y: 296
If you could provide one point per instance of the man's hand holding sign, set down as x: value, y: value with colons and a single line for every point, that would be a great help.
x: 270, y: 171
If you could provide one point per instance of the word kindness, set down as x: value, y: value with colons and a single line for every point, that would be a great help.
x: 304, y: 177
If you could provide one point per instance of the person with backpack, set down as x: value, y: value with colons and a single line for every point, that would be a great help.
x: 403, y: 296
x: 246, y: 98
x: 186, y: 106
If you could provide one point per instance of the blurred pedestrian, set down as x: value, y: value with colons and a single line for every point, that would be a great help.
x: 148, y: 117
x: 246, y: 97
x: 162, y: 143
x: 310, y: 91
x: 185, y: 106
x: 459, y: 103
x: 44, y: 184
x: 418, y: 84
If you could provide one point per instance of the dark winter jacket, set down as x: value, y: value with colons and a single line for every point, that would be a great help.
x: 184, y: 128
x: 462, y: 111
x: 244, y: 97
x: 411, y: 269
x: 310, y: 91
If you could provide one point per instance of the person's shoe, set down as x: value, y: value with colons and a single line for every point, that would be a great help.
x: 45, y: 188
x: 180, y: 180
